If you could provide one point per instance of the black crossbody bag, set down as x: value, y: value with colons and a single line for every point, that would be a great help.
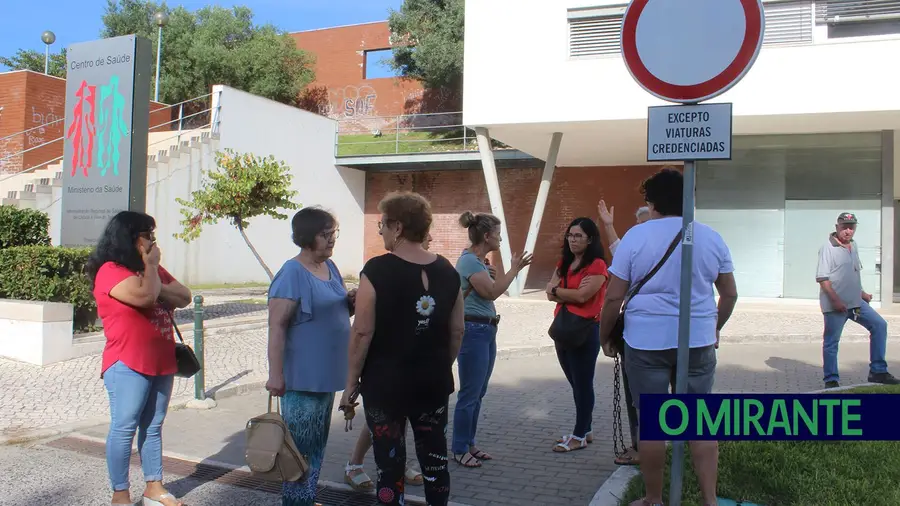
x: 568, y: 329
x: 188, y: 365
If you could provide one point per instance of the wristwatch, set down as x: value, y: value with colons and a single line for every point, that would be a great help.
x: 553, y: 291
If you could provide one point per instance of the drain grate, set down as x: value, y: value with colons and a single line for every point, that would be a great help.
x: 206, y: 472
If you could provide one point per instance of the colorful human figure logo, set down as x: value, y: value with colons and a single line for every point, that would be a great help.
x: 97, y: 127
x: 82, y: 130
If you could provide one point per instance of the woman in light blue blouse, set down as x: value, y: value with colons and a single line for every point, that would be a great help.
x: 309, y: 331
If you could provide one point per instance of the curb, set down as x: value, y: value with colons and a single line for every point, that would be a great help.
x: 30, y: 436
x: 613, y: 489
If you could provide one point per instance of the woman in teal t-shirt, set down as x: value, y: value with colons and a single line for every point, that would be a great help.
x: 479, y: 345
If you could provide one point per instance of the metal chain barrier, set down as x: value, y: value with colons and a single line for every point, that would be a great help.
x: 618, y: 437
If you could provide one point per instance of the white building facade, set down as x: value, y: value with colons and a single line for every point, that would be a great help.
x: 816, y: 121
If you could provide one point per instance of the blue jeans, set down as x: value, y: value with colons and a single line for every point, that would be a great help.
x: 579, y: 364
x: 834, y: 325
x: 476, y: 363
x: 136, y: 403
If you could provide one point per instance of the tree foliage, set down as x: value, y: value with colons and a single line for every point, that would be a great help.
x: 244, y: 187
x: 428, y: 41
x: 214, y: 45
x: 29, y: 59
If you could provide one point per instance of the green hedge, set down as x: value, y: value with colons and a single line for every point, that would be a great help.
x: 23, y: 227
x: 50, y: 274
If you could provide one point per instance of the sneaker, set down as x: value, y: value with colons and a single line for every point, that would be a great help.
x: 885, y: 378
x: 834, y: 384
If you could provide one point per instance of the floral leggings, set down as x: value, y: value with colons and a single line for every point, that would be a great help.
x: 389, y: 448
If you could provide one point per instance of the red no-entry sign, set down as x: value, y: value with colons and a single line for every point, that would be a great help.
x: 688, y: 51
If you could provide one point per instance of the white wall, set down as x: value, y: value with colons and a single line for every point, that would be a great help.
x: 518, y: 71
x: 305, y: 141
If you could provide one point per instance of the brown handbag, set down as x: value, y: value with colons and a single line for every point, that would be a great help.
x: 271, y: 453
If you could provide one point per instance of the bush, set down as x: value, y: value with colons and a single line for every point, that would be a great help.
x: 23, y: 227
x: 49, y: 274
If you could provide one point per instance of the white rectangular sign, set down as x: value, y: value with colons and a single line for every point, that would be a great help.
x: 689, y: 132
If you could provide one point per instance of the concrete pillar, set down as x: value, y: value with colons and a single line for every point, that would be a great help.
x: 540, y: 203
x: 493, y: 187
x: 888, y: 154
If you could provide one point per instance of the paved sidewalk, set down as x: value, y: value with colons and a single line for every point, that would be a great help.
x: 528, y: 404
x: 71, y: 393
x: 42, y: 476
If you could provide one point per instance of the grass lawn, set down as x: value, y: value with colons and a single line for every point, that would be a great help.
x: 802, y: 473
x: 410, y: 142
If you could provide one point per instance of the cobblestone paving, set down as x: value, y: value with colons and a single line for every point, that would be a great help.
x: 528, y: 405
x: 32, y: 397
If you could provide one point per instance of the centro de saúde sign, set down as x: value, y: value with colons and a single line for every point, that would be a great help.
x: 105, y: 134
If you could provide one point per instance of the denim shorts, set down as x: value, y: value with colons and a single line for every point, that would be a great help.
x: 652, y: 371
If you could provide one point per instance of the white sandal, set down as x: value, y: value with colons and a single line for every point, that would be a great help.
x: 157, y: 502
x: 563, y: 447
x: 361, y: 482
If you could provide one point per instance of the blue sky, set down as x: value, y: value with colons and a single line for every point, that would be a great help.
x: 22, y: 23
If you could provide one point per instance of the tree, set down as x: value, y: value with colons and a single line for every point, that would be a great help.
x: 29, y: 59
x: 428, y: 41
x: 244, y: 187
x: 215, y: 45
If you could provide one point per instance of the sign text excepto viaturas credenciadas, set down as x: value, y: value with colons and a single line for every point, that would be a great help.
x: 689, y: 132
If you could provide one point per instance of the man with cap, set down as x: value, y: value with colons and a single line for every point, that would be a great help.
x: 842, y: 297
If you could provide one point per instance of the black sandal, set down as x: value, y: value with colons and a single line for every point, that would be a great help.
x: 466, y: 460
x: 481, y: 454
x: 629, y: 460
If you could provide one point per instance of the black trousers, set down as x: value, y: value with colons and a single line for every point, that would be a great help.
x: 388, y: 427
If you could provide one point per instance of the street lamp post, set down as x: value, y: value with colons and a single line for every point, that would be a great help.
x: 48, y: 38
x: 161, y: 19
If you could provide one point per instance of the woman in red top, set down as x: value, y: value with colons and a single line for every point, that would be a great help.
x: 580, y: 283
x: 135, y: 297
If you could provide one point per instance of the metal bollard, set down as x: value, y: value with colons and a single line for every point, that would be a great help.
x: 199, y: 386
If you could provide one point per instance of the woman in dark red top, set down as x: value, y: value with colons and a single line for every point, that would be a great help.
x: 580, y: 283
x: 135, y: 297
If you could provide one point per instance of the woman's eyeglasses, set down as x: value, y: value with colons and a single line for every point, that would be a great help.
x: 334, y: 234
x: 150, y: 236
x: 576, y: 236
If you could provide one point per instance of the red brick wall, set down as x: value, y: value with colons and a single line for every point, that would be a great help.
x: 574, y: 192
x: 12, y: 100
x: 30, y: 99
x: 341, y: 90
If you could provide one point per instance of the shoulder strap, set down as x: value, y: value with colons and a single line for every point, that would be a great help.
x: 172, y: 319
x: 640, y: 284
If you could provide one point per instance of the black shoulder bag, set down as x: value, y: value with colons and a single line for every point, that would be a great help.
x: 188, y: 365
x: 569, y: 330
x: 617, y: 335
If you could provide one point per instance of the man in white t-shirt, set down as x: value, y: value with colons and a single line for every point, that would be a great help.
x: 607, y: 217
x: 651, y: 318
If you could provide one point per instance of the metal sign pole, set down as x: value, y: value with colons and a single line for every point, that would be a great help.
x: 684, y: 321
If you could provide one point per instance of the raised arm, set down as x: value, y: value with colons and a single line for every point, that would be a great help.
x: 491, y: 289
x: 143, y: 290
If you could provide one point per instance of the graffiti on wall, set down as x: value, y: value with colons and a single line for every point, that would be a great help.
x: 350, y: 102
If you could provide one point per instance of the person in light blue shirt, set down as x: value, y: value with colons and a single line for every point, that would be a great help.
x: 309, y: 333
x: 479, y: 345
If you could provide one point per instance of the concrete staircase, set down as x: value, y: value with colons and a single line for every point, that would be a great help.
x: 42, y: 189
